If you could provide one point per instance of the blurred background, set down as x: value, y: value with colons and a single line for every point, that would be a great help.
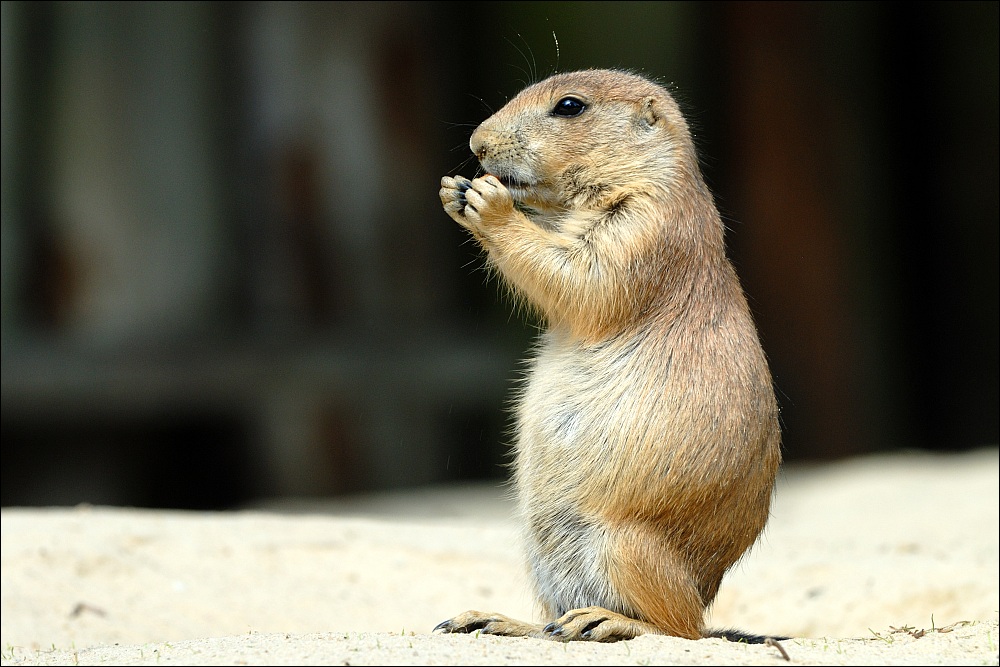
x: 226, y: 274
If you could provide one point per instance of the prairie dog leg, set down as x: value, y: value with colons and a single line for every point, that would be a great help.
x: 660, y: 595
x: 640, y: 576
x: 655, y: 580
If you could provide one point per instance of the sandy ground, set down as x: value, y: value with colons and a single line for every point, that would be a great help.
x: 881, y: 560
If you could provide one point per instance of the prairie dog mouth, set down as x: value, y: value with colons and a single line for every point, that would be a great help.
x: 513, y: 183
x: 530, y: 196
x: 520, y: 190
x: 511, y: 179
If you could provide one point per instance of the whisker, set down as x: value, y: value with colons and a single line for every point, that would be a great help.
x: 483, y: 102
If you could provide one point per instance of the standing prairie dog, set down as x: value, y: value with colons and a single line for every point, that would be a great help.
x: 647, y: 430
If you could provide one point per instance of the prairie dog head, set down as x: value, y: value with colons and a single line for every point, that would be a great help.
x: 577, y: 140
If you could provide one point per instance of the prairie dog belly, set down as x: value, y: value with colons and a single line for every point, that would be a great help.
x: 581, y: 406
x: 580, y: 424
x: 589, y: 422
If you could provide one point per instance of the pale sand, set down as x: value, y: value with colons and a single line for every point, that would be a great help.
x: 854, y: 551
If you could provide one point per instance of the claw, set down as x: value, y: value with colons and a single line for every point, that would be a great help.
x: 554, y: 630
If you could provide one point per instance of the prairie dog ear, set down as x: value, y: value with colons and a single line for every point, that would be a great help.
x: 649, y: 112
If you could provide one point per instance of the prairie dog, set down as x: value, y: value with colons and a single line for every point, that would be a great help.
x: 647, y: 429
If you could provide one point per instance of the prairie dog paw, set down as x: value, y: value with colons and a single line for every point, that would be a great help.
x: 476, y: 204
x: 489, y: 202
x: 452, y: 195
x: 596, y: 624
x: 489, y: 624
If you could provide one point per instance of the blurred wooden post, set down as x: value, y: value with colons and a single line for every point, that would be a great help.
x: 792, y: 245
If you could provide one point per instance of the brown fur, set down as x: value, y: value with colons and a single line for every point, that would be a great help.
x: 647, y: 431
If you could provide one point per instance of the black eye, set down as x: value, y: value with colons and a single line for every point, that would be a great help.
x: 568, y: 106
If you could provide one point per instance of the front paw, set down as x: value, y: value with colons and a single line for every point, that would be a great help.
x: 489, y: 202
x: 453, y: 199
x: 477, y: 204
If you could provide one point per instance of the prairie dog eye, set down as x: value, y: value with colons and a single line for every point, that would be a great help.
x: 569, y: 106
